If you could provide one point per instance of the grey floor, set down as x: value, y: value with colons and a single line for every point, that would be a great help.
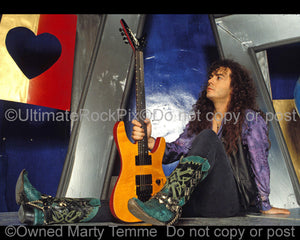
x: 11, y: 218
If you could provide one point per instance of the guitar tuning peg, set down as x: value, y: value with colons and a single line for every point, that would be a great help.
x: 121, y: 31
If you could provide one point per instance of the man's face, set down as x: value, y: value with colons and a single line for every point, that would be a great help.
x: 218, y: 87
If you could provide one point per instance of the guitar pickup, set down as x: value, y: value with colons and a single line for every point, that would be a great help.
x: 143, y: 179
x: 143, y: 160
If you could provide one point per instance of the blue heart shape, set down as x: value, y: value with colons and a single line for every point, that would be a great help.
x: 33, y: 54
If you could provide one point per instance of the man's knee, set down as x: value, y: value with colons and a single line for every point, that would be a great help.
x: 206, y: 136
x: 203, y: 143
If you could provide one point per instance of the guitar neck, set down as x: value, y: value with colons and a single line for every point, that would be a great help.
x: 140, y: 98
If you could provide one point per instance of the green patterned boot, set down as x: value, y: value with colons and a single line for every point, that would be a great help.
x: 165, y: 207
x: 50, y: 210
x: 39, y: 209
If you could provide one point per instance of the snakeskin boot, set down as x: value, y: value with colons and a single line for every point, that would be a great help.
x: 40, y: 209
x: 165, y: 207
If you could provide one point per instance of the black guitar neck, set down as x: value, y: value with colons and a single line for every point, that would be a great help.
x: 144, y: 158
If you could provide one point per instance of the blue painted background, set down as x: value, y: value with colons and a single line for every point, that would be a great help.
x: 38, y: 146
x: 179, y: 50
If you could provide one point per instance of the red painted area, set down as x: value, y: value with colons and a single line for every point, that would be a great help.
x: 53, y: 88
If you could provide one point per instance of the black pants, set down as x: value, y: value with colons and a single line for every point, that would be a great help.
x: 217, y: 195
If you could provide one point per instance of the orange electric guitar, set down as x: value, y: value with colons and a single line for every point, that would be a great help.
x: 141, y: 172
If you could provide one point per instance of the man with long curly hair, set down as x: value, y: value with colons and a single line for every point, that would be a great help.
x: 223, y: 166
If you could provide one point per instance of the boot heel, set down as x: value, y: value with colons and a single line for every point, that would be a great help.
x: 26, y: 215
x: 30, y: 215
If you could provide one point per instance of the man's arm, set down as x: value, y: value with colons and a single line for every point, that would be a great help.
x: 256, y: 137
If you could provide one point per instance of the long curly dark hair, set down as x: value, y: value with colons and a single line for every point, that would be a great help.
x: 243, y: 97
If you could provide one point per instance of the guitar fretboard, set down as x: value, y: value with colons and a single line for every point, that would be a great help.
x: 140, y: 104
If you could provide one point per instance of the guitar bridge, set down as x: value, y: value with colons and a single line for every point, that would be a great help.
x: 144, y: 192
x: 144, y: 187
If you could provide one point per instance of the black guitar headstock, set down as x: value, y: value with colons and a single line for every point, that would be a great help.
x: 129, y: 37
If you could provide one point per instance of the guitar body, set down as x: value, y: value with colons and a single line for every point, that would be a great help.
x: 126, y: 187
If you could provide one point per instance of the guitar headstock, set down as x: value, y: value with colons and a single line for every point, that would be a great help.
x: 129, y: 37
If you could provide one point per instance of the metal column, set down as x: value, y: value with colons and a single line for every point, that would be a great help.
x: 102, y: 80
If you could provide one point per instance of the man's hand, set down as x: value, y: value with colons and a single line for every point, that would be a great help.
x: 138, y: 132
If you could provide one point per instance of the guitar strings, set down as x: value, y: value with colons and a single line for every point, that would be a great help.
x: 142, y: 149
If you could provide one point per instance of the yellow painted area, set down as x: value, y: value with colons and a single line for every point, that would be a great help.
x: 13, y: 83
x: 289, y: 122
